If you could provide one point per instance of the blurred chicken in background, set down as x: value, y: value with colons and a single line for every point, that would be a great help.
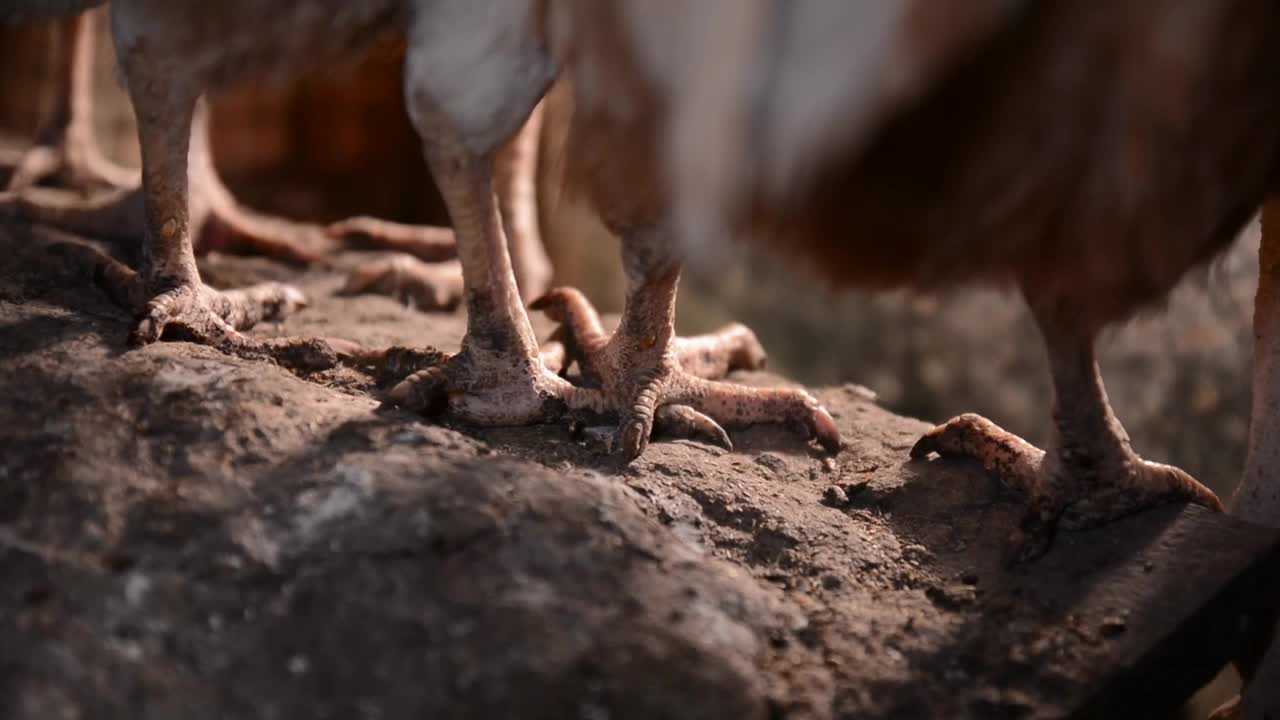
x: 331, y: 149
x: 1088, y: 156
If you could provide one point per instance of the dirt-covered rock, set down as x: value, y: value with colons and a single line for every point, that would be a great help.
x: 185, y: 534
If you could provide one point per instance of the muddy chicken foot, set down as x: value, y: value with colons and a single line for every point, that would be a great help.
x: 499, y: 377
x: 205, y: 315
x: 649, y: 376
x: 167, y: 290
x: 1089, y: 475
x: 581, y: 338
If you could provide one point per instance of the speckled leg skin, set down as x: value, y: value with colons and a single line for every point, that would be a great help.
x: 209, y: 316
x: 424, y: 277
x: 1257, y: 498
x: 1089, y: 476
x: 424, y: 286
x: 66, y: 149
x: 168, y: 285
x: 641, y: 367
x: 515, y: 166
x: 498, y: 378
x: 711, y: 356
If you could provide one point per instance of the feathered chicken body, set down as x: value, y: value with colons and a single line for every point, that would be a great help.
x: 1087, y: 154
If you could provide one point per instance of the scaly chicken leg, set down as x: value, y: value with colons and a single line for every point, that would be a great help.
x: 67, y: 150
x: 216, y: 219
x: 498, y: 377
x: 418, y: 276
x: 169, y: 285
x: 650, y: 375
x: 711, y: 357
x: 1090, y: 474
x: 65, y: 147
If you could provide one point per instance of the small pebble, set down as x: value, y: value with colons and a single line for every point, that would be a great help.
x: 834, y: 496
x: 771, y: 461
x: 851, y: 490
x: 408, y: 437
x: 298, y: 664
x: 916, y: 553
x: 136, y: 588
x: 860, y: 391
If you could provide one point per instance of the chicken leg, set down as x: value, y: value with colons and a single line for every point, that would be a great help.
x: 218, y: 221
x: 498, y: 377
x: 418, y: 276
x: 67, y: 150
x: 648, y: 374
x: 65, y: 147
x: 1090, y: 474
x: 168, y: 292
x: 582, y: 339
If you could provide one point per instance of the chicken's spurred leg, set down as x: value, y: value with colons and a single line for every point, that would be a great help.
x: 1089, y: 475
x: 1257, y: 499
x: 641, y: 374
x: 66, y: 147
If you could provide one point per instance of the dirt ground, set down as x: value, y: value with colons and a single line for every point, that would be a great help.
x: 188, y: 534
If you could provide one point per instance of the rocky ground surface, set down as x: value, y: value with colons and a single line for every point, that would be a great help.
x: 185, y: 534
